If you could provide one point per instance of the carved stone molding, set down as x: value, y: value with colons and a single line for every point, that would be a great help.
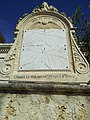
x: 6, y: 68
x: 44, y: 7
x: 81, y: 65
x: 4, y: 48
x: 16, y: 33
x: 11, y: 55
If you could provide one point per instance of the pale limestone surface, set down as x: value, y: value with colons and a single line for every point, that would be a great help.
x: 44, y: 107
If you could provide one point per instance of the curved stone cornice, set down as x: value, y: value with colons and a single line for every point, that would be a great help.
x: 45, y: 9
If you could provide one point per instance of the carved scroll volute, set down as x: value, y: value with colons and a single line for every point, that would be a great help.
x: 81, y: 64
x: 7, y: 66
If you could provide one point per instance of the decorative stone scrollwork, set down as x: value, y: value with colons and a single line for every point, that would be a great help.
x: 11, y: 56
x: 43, y: 22
x: 81, y: 65
x: 6, y: 69
x: 16, y: 33
x: 70, y: 19
x: 63, y: 13
x: 44, y: 7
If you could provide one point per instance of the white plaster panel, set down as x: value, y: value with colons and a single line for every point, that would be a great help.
x: 44, y: 49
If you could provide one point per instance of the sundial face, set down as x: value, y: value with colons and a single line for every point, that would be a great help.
x: 44, y: 49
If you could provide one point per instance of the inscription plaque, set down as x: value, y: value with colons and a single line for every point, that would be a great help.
x: 44, y: 49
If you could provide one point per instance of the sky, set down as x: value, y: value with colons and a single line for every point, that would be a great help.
x: 12, y: 10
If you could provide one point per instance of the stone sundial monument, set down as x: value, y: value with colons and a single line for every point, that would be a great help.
x: 44, y: 70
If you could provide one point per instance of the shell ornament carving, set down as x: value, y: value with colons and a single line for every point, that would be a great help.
x: 45, y: 7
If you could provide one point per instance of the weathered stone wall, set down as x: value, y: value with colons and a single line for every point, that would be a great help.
x: 44, y: 107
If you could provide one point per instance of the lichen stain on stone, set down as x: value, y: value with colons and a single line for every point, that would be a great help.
x: 6, y: 118
x: 62, y: 113
x: 82, y: 113
x: 47, y: 100
x: 10, y: 110
x: 88, y: 98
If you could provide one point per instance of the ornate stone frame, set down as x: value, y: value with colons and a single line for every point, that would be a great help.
x: 44, y: 16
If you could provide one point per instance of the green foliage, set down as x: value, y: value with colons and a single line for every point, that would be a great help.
x: 89, y: 4
x: 83, y: 32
